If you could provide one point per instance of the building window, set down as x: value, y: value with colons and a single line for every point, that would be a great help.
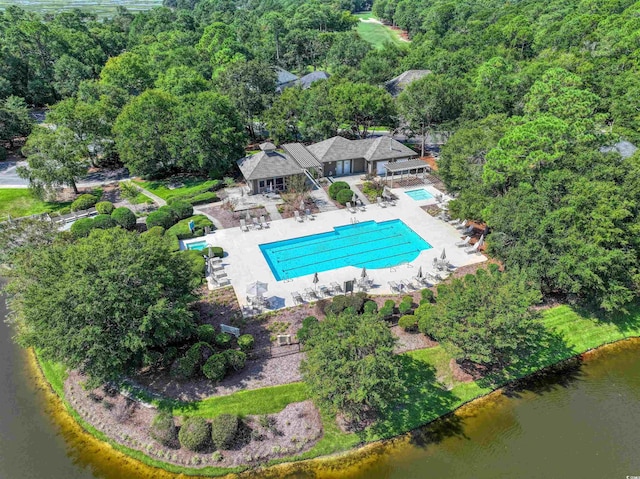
x: 261, y: 184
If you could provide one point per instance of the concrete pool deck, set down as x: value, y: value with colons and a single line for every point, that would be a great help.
x: 244, y: 262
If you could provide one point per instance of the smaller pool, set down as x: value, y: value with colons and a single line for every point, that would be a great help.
x: 198, y: 245
x: 419, y: 194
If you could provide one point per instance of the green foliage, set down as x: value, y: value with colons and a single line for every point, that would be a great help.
x: 162, y: 218
x: 197, y: 264
x: 182, y: 231
x: 370, y: 307
x: 217, y: 251
x: 104, y: 207
x: 246, y: 342
x: 350, y: 365
x: 215, y: 368
x: 103, y: 222
x: 341, y: 302
x: 426, y: 296
x: 155, y: 231
x: 408, y: 322
x: 309, y: 325
x: 224, y: 429
x: 84, y: 202
x: 336, y: 187
x: 163, y: 429
x: 206, y: 333
x: 405, y: 305
x: 126, y: 218
x: 344, y: 196
x: 235, y: 359
x: 208, y: 197
x: 97, y: 274
x: 486, y: 318
x: 362, y: 106
x: 195, y: 434
x: 82, y: 227
x: 182, y: 209
x: 223, y: 340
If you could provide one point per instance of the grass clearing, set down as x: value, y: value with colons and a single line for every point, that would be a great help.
x: 19, y: 202
x: 376, y: 33
x: 190, y: 186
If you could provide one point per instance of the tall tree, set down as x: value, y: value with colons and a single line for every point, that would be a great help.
x: 362, y: 106
x: 14, y: 119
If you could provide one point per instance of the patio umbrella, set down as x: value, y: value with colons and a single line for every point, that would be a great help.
x: 443, y: 255
x: 301, y: 205
x: 257, y: 288
x: 247, y: 216
x: 363, y: 275
x: 315, y: 280
x: 419, y: 275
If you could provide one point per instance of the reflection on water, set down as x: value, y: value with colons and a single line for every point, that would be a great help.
x: 577, y: 421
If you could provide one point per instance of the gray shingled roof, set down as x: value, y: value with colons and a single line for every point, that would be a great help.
x: 371, y: 149
x: 284, y: 76
x: 399, y: 83
x: 406, y: 165
x: 268, y: 165
x: 307, y: 80
x: 302, y: 155
x: 626, y: 149
x: 385, y: 147
x: 267, y: 146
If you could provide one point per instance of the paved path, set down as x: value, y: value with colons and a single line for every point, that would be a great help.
x: 273, y: 212
x: 322, y: 200
x: 214, y: 220
x: 159, y: 201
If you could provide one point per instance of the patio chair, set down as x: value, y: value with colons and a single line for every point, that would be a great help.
x: 431, y: 276
x: 360, y: 205
x: 256, y: 224
x: 462, y: 225
x: 263, y: 222
x: 408, y: 285
x: 243, y: 225
x: 297, y: 216
x: 310, y: 294
x: 391, y: 200
x: 465, y: 242
x: 381, y: 203
x: 421, y: 281
x: 309, y: 215
x: 473, y: 249
x: 297, y: 297
x: 454, y: 222
x: 350, y: 207
x: 324, y: 290
x: 395, y: 287
x: 336, y: 287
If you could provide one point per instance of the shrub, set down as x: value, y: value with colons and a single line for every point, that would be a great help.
x: 195, y: 434
x: 308, y: 325
x: 336, y: 187
x: 224, y: 429
x: 197, y: 263
x: 405, y: 305
x: 82, y: 227
x: 183, y: 368
x: 160, y: 218
x: 341, y: 303
x: 206, y: 333
x: 208, y: 197
x: 104, y: 207
x: 386, y: 312
x: 427, y: 296
x: 104, y: 222
x: 223, y: 340
x: 217, y: 251
x: 155, y: 231
x: 124, y: 217
x: 370, y: 307
x: 199, y: 353
x: 182, y: 209
x: 235, y: 359
x: 84, y: 202
x: 246, y: 342
x: 170, y: 354
x: 152, y: 358
x: 408, y: 322
x: 215, y: 368
x: 163, y: 429
x: 344, y: 196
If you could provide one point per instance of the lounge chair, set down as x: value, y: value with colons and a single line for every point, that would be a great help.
x: 324, y: 290
x: 256, y: 224
x: 243, y: 225
x: 350, y: 207
x: 297, y: 297
x: 408, y: 285
x: 309, y: 215
x: 462, y: 225
x: 468, y: 230
x: 310, y: 294
x: 360, y: 205
x: 381, y: 203
x: 473, y: 249
x: 421, y: 281
x: 465, y: 242
x: 263, y: 222
x: 391, y: 200
x: 395, y: 287
x: 297, y: 216
x: 336, y: 287
x: 431, y: 276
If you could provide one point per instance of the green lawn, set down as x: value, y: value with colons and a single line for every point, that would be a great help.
x: 376, y: 33
x: 430, y: 389
x: 19, y: 202
x: 191, y: 186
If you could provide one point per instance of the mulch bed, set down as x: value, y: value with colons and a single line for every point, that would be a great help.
x: 231, y: 219
x: 293, y: 430
x: 287, y: 209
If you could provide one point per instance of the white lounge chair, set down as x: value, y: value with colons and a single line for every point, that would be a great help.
x: 263, y: 222
x: 243, y: 225
x: 309, y: 215
x: 360, y: 205
x: 391, y: 200
x: 454, y: 222
x: 336, y: 287
x: 473, y: 249
x: 310, y: 294
x: 350, y: 207
x: 297, y: 297
x: 297, y: 216
x: 468, y: 230
x: 256, y: 224
x: 408, y: 285
x: 381, y: 203
x: 395, y: 287
x: 465, y: 242
x: 462, y: 225
x: 324, y: 290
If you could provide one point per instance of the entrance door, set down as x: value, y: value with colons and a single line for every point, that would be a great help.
x: 343, y: 167
x: 339, y: 168
x: 347, y: 167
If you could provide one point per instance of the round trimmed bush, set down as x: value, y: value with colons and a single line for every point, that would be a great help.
x: 124, y: 217
x: 336, y: 187
x: 104, y: 222
x: 199, y: 353
x: 223, y: 340
x: 235, y: 359
x: 246, y: 342
x: 427, y: 296
x: 405, y: 305
x: 195, y: 434
x: 84, y: 202
x: 344, y: 196
x: 183, y: 368
x: 169, y: 356
x: 160, y: 218
x: 82, y: 227
x: 155, y: 231
x: 104, y: 207
x: 217, y: 251
x: 206, y: 333
x: 215, y: 368
x: 408, y: 322
x: 224, y: 429
x: 182, y: 209
x: 370, y: 307
x: 163, y: 429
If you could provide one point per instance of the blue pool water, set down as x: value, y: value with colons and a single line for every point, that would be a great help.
x: 198, y: 245
x: 420, y: 194
x: 363, y: 245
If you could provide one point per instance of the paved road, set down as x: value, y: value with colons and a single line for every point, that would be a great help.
x: 9, y: 177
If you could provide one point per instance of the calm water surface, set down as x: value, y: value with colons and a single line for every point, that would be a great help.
x: 583, y: 423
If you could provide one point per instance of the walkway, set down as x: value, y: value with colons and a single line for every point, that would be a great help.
x: 159, y: 201
x: 322, y: 200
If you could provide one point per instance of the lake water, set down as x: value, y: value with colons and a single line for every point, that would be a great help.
x: 582, y: 422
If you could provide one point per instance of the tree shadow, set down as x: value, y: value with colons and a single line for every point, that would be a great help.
x: 624, y: 321
x: 549, y: 379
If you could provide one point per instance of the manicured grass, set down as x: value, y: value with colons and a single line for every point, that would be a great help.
x: 376, y: 33
x: 19, y: 202
x: 430, y: 390
x: 191, y: 186
x: 182, y: 226
x: 55, y: 373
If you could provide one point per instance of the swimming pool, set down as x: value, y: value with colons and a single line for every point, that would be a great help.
x: 198, y: 245
x: 363, y: 245
x: 419, y: 195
